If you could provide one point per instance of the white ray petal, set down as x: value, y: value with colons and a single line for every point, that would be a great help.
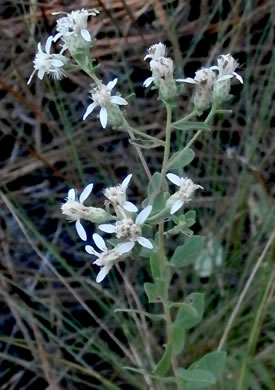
x: 145, y: 242
x: 48, y: 44
x: 71, y: 194
x: 89, y: 249
x: 118, y: 100
x: 103, y: 117
x: 41, y: 73
x: 56, y: 37
x: 129, y: 206
x: 31, y: 76
x: 126, y: 181
x: 148, y: 82
x: 57, y: 63
x: 143, y: 215
x: 214, y: 67
x: 187, y: 80
x: 107, y: 228
x: 80, y: 230
x: 238, y: 77
x: 86, y: 35
x: 90, y: 109
x: 100, y: 243
x: 102, y: 273
x: 147, y: 56
x: 112, y: 84
x: 86, y: 192
x: 176, y: 206
x: 125, y: 247
x: 175, y: 179
x: 225, y: 77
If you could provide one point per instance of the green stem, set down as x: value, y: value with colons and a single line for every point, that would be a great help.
x: 140, y: 155
x: 167, y: 144
x: 197, y: 134
x: 144, y: 135
x: 162, y: 257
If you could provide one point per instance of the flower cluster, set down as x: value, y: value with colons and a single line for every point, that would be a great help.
x: 213, y: 87
x: 72, y: 30
x: 127, y: 230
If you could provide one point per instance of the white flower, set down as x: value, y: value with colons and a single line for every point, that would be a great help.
x: 226, y: 68
x: 51, y: 64
x: 101, y: 96
x: 184, y: 195
x: 117, y: 195
x: 129, y: 230
x: 108, y: 257
x: 162, y: 69
x: 204, y: 79
x: 74, y: 25
x: 156, y: 51
x: 75, y: 210
x: 202, y: 76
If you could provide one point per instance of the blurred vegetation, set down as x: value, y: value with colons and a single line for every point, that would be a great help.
x: 59, y: 329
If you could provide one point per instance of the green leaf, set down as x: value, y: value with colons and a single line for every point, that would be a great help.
x: 186, y: 254
x: 180, y: 159
x: 185, y: 125
x: 155, y: 291
x: 196, y: 379
x: 155, y: 183
x: 213, y: 362
x: 165, y: 362
x: 145, y: 143
x: 190, y: 311
x: 179, y: 336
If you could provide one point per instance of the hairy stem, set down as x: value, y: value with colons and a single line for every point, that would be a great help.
x: 162, y: 257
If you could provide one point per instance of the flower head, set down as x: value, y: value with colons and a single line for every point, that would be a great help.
x: 156, y: 51
x: 117, y: 195
x: 101, y: 96
x: 72, y: 29
x: 74, y: 209
x: 204, y: 80
x: 226, y: 68
x: 226, y: 71
x: 47, y: 63
x: 108, y: 257
x: 184, y: 194
x: 130, y: 230
x: 162, y: 69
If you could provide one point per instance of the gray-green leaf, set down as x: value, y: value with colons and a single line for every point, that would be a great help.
x: 196, y: 379
x: 213, y: 362
x: 191, y: 311
x: 185, y: 125
x: 165, y: 362
x: 186, y: 254
x: 180, y: 159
